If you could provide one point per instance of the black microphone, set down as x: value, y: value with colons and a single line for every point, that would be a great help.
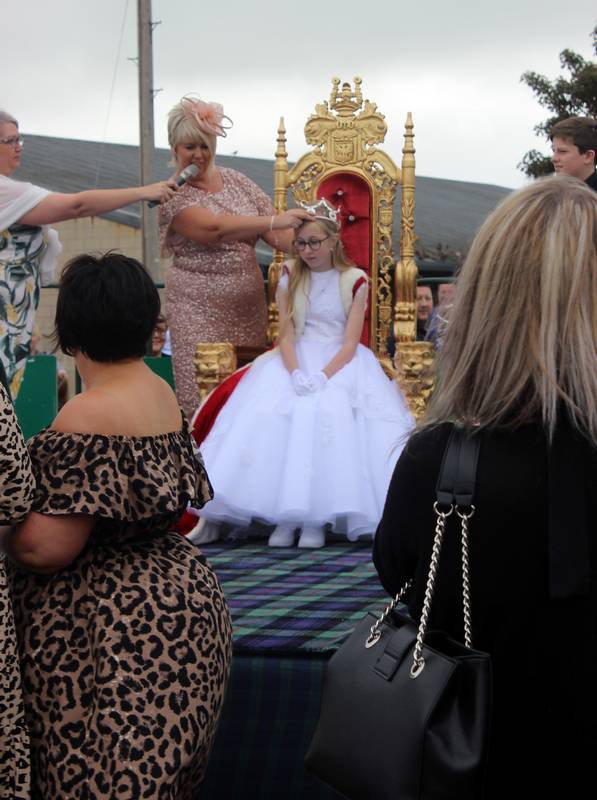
x: 185, y: 175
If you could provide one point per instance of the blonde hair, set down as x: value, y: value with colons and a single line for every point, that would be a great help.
x: 521, y: 344
x: 300, y: 268
x: 183, y: 129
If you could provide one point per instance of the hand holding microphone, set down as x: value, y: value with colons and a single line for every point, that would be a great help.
x: 188, y: 172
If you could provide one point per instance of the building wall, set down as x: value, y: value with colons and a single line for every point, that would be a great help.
x: 97, y: 234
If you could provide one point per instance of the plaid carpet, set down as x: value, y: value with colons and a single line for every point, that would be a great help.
x: 285, y: 600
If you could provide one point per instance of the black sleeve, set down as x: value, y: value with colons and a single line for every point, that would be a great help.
x: 407, y: 525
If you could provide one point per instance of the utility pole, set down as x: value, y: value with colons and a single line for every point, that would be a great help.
x: 149, y: 224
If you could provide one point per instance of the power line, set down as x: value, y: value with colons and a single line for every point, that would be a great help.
x: 114, y: 73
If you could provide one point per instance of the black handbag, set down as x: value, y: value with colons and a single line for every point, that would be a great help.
x: 405, y: 712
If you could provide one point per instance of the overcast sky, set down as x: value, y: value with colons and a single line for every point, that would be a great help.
x: 456, y: 66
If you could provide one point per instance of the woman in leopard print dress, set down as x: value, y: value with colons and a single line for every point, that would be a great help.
x: 125, y: 634
x: 16, y: 492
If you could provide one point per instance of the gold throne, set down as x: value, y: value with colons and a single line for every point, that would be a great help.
x: 346, y: 167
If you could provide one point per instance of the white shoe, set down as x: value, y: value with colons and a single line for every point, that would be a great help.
x: 312, y: 537
x: 281, y: 536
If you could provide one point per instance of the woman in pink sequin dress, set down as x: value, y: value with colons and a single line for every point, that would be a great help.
x: 214, y: 289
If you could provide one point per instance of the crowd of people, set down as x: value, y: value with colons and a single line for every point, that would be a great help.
x: 115, y: 636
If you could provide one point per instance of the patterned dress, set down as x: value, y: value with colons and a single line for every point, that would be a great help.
x: 16, y: 493
x: 27, y: 256
x: 21, y: 248
x: 214, y: 293
x: 126, y: 652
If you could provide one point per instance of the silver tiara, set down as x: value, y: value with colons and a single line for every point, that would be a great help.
x: 323, y: 210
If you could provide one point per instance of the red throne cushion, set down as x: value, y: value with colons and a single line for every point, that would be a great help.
x: 207, y: 413
x: 351, y: 194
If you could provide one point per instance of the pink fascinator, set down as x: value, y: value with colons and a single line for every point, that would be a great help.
x: 209, y: 117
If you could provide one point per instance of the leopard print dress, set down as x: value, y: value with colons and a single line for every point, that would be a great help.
x: 16, y: 494
x: 125, y: 653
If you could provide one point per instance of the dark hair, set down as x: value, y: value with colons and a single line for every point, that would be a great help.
x: 581, y: 131
x: 107, y: 307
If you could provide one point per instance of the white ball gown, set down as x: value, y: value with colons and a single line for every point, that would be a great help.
x: 323, y: 458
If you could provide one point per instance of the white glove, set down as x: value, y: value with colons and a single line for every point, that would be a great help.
x: 300, y: 382
x: 317, y: 381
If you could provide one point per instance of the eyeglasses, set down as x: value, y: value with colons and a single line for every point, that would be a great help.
x: 12, y: 141
x: 314, y: 244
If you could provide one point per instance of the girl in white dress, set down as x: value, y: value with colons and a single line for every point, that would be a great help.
x: 312, y: 432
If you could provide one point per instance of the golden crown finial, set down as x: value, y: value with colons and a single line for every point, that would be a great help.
x: 343, y: 100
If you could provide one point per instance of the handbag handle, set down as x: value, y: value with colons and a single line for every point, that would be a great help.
x: 375, y: 634
x: 454, y: 492
x: 418, y: 660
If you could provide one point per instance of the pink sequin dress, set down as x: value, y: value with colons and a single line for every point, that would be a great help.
x: 214, y: 293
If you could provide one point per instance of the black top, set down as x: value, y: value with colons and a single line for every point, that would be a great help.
x: 544, y: 651
x: 592, y: 181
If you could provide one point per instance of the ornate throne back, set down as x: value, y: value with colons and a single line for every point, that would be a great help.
x: 346, y: 167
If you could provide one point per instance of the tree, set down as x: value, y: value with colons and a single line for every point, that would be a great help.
x: 573, y: 96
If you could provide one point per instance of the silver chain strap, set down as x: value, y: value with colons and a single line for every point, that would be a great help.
x: 466, y: 584
x: 375, y: 634
x: 375, y: 631
x: 418, y: 660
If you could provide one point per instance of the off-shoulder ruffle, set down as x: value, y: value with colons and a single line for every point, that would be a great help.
x: 117, y: 477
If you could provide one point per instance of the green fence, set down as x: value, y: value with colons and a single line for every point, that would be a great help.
x: 37, y: 402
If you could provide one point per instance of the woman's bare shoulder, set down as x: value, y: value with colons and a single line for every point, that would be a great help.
x: 127, y: 411
x: 84, y: 413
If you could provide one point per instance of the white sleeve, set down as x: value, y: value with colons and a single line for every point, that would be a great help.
x: 16, y: 199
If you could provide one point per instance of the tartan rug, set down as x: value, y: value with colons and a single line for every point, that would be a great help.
x: 286, y: 600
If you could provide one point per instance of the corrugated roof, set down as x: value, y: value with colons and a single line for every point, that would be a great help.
x: 447, y: 213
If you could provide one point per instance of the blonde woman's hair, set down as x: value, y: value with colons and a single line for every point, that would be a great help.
x: 521, y: 343
x: 300, y: 268
x: 183, y: 129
